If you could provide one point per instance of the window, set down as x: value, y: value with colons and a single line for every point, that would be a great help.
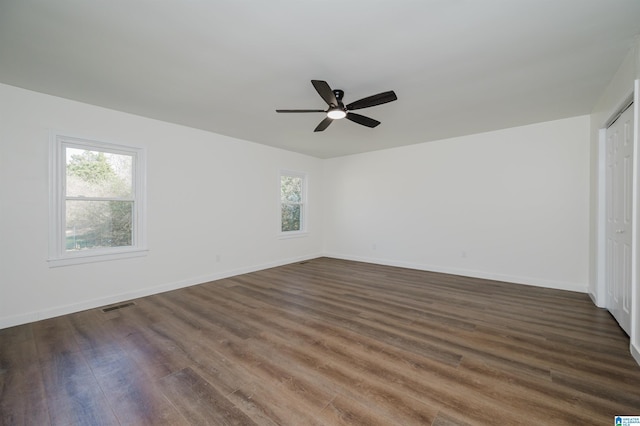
x: 292, y: 202
x: 97, y: 201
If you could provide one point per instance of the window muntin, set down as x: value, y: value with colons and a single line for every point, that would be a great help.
x: 292, y: 202
x: 97, y: 201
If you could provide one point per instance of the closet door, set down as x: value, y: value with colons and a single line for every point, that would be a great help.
x: 619, y: 181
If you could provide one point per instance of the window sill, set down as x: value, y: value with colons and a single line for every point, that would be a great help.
x: 81, y: 258
x: 292, y: 234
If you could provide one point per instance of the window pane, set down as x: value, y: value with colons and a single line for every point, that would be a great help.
x: 291, y: 189
x: 291, y: 217
x: 98, y: 174
x: 96, y: 224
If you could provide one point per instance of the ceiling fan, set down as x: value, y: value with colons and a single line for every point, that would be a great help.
x: 338, y: 110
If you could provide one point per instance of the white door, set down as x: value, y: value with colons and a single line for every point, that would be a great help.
x: 619, y: 181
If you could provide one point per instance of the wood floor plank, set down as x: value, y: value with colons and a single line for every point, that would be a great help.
x: 354, y: 361
x: 266, y: 406
x: 343, y: 410
x: 325, y: 342
x: 90, y: 330
x: 445, y: 419
x: 254, y: 390
x: 614, y: 400
x: 54, y: 337
x: 422, y: 347
x: 74, y: 397
x: 295, y: 385
x: 127, y: 389
x: 266, y: 402
x: 315, y: 361
x: 22, y: 396
x: 199, y: 402
x: 543, y: 402
x: 250, y: 396
x: 17, y: 334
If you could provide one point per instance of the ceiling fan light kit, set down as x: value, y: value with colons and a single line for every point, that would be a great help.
x: 336, y: 114
x: 337, y: 110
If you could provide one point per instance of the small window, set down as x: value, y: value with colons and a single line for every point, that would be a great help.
x: 292, y: 202
x: 97, y: 201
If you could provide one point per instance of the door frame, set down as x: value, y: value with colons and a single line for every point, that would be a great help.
x: 601, y: 256
x: 600, y: 296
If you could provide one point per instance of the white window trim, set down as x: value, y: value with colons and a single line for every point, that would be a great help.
x: 304, y: 213
x: 58, y: 256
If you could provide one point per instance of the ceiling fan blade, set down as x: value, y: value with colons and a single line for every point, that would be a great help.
x: 300, y: 110
x: 323, y: 89
x: 361, y: 119
x: 323, y: 124
x: 373, y: 100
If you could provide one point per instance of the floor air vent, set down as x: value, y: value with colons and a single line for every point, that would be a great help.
x: 115, y: 307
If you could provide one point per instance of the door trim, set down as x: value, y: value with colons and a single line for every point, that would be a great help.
x: 635, y: 280
x: 600, y: 297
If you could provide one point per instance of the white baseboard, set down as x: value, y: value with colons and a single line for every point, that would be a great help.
x: 558, y: 285
x: 14, y: 320
x: 94, y: 303
x: 595, y: 301
x: 635, y: 353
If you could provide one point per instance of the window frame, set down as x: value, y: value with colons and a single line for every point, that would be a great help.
x: 304, y: 205
x: 58, y: 255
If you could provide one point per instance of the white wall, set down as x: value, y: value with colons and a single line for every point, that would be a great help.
x: 617, y: 93
x: 208, y: 195
x: 510, y: 205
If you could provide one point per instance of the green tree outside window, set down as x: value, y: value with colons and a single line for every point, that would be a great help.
x: 292, y: 203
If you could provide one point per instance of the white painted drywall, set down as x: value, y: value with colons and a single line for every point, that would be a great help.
x: 208, y: 196
x: 510, y: 205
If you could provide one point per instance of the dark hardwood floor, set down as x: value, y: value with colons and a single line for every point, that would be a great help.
x: 325, y: 342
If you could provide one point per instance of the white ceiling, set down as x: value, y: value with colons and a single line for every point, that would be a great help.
x: 458, y: 66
